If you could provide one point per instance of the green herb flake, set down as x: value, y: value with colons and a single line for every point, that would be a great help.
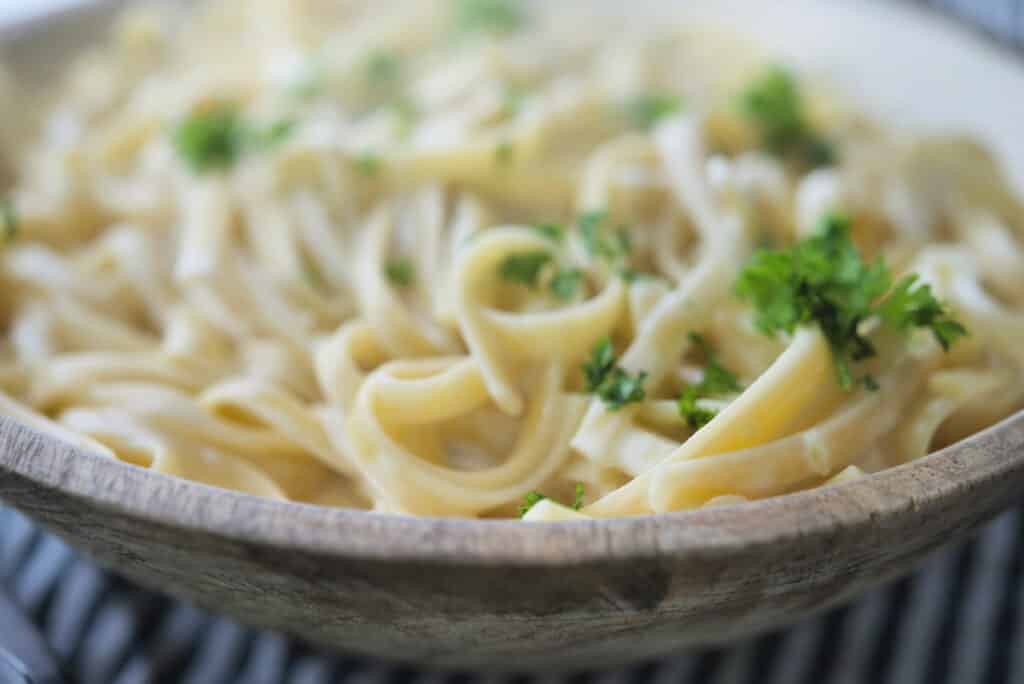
x: 525, y: 267
x: 408, y: 114
x: 513, y: 100
x: 551, y: 231
x: 489, y: 16
x: 615, y: 386
x: 368, y: 164
x: 621, y: 388
x: 566, y: 283
x: 211, y: 141
x: 531, y: 499
x: 577, y: 501
x: 504, y: 154
x: 217, y: 139
x: 400, y: 272
x: 600, y: 240
x: 9, y: 223
x: 910, y: 306
x: 383, y: 69
x: 534, y: 498
x: 824, y: 280
x: 773, y: 103
x: 632, y: 275
x: 717, y: 381
x: 643, y: 112
x: 601, y: 363
x: 275, y: 135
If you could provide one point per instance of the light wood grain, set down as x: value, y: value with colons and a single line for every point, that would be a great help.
x: 478, y: 593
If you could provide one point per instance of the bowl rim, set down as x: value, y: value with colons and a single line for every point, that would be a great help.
x: 53, y: 465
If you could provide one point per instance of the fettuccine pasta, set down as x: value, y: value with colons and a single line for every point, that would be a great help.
x: 464, y: 258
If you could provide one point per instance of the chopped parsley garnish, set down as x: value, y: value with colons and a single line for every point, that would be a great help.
x: 534, y: 498
x: 211, y: 141
x: 601, y: 363
x: 631, y: 275
x: 8, y: 220
x: 824, y: 280
x: 621, y: 388
x: 383, y: 68
x: 276, y: 134
x: 407, y: 114
x: 566, y: 283
x: 367, y: 164
x: 600, y: 240
x: 513, y: 100
x: 400, y: 272
x: 217, y: 139
x: 773, y: 103
x: 643, y: 112
x: 525, y: 267
x: 717, y: 381
x: 552, y: 231
x: 614, y: 385
x: 489, y: 16
x: 908, y: 306
x: 504, y: 153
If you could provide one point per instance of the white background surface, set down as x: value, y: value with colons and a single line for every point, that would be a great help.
x: 13, y: 10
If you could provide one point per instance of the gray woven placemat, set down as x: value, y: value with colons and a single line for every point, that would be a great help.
x: 958, y: 621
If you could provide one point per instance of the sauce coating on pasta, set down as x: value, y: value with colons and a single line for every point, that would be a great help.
x: 456, y: 258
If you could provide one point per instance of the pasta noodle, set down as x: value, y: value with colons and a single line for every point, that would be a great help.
x: 438, y: 257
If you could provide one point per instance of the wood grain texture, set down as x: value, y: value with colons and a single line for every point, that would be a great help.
x: 509, y: 594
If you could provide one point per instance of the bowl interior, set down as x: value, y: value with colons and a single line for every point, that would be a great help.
x: 910, y: 67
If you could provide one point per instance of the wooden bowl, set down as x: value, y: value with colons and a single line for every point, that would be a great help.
x: 581, y: 594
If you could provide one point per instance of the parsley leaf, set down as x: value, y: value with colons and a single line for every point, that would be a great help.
x: 631, y: 275
x: 217, y: 139
x: 621, y: 388
x: 489, y: 16
x: 614, y: 385
x: 717, y: 381
x: 504, y: 153
x: 577, y: 501
x: 643, y: 112
x: 599, y: 240
x: 367, y: 164
x: 824, y: 280
x: 773, y: 103
x: 8, y: 220
x: 552, y: 231
x: 277, y: 133
x: 566, y: 283
x: 524, y: 267
x: 909, y: 306
x: 400, y: 272
x: 534, y: 498
x: 211, y: 141
x: 531, y: 499
x: 601, y: 363
x: 383, y: 68
x: 513, y: 100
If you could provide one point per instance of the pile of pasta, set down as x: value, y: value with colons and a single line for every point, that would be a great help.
x: 438, y: 258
